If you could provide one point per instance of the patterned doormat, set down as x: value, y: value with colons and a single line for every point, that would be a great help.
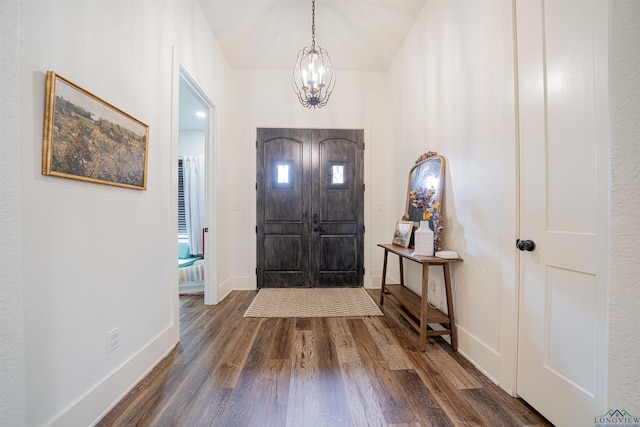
x: 317, y: 302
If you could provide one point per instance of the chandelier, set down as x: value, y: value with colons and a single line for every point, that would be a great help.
x: 313, y: 75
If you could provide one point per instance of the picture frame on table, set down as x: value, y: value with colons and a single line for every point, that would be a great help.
x: 402, y: 233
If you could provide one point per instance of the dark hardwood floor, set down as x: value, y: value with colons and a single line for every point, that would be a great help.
x: 233, y: 371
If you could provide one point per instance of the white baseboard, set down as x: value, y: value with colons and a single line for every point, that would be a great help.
x: 106, y: 394
x: 235, y: 284
x: 485, y: 359
x: 375, y: 282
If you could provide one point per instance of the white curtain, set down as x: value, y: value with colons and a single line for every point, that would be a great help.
x: 193, y: 170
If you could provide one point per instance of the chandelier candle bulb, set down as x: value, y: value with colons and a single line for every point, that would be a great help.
x: 424, y: 240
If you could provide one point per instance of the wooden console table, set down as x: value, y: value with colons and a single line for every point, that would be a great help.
x: 411, y: 306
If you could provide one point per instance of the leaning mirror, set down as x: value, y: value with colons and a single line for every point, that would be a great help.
x: 426, y: 177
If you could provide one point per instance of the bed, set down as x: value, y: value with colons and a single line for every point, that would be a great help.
x: 190, y: 271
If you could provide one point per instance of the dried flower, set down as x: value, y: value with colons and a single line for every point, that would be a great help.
x: 423, y: 199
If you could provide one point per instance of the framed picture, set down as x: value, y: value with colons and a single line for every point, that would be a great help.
x: 402, y: 234
x: 89, y: 139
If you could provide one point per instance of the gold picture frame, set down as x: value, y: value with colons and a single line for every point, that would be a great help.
x: 88, y: 139
x: 402, y: 233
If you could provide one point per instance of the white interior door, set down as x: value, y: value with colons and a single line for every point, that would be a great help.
x: 562, y: 82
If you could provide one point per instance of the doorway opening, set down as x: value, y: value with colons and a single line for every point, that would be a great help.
x: 196, y: 206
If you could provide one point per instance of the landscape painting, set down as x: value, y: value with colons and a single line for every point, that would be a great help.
x: 88, y: 139
x: 402, y: 233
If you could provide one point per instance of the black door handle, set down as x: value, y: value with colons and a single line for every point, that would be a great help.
x: 526, y: 245
x: 318, y: 228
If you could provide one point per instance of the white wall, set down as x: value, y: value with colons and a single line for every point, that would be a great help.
x: 12, y: 351
x: 452, y: 86
x: 624, y: 246
x: 359, y: 101
x: 191, y: 143
x: 87, y: 258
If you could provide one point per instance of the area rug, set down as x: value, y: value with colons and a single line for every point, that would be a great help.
x: 317, y: 302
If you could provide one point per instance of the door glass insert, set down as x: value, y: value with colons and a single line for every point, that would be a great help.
x: 338, y: 175
x: 283, y: 176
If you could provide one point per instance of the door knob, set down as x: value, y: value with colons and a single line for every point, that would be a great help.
x: 526, y: 245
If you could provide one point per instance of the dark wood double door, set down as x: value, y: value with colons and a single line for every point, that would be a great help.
x: 310, y: 208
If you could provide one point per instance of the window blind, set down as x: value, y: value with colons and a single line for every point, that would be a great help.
x: 182, y: 219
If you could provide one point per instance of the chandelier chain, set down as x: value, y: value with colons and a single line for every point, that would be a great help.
x: 313, y: 25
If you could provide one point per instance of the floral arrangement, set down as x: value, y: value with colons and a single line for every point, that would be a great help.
x: 424, y: 200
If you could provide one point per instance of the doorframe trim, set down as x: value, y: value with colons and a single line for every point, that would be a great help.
x: 510, y: 292
x: 210, y: 154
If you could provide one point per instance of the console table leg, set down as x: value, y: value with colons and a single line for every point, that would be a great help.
x: 384, y: 277
x: 424, y: 307
x: 452, y: 321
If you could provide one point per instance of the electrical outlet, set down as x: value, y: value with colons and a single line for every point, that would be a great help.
x: 113, y: 339
x: 434, y: 295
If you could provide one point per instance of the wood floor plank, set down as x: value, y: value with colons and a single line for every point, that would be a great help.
x: 424, y: 404
x: 363, y: 404
x: 213, y: 402
x: 283, y: 338
x: 391, y: 395
x: 140, y: 404
x: 270, y: 408
x: 492, y: 413
x: 378, y: 331
x: 180, y: 401
x: 388, y: 390
x: 194, y: 338
x: 304, y: 323
x: 340, y: 333
x: 239, y: 408
x: 202, y: 358
x: 521, y: 412
x: 459, y: 410
x: 233, y: 355
x: 303, y: 403
x: 369, y: 352
x: 457, y: 374
x: 387, y: 345
x: 333, y: 406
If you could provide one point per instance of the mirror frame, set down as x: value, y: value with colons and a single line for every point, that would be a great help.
x: 411, y: 213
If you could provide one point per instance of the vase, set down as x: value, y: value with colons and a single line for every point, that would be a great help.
x: 424, y: 240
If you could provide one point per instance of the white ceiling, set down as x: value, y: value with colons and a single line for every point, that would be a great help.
x: 361, y: 35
